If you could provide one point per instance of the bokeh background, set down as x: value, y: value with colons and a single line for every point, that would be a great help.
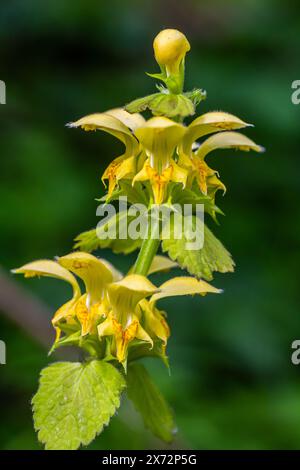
x: 232, y: 383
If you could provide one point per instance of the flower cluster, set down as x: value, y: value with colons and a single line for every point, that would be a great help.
x: 115, y: 312
x: 160, y: 150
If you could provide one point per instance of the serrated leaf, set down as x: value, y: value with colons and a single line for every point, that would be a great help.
x: 163, y: 104
x: 87, y: 241
x: 74, y: 402
x: 202, y: 262
x: 149, y: 402
x: 93, y: 239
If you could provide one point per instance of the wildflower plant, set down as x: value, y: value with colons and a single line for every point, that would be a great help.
x: 116, y: 318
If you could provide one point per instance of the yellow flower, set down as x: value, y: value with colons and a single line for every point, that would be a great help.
x: 155, y: 140
x: 205, y: 176
x: 50, y: 268
x: 160, y: 150
x: 170, y: 47
x: 155, y: 321
x: 193, y: 159
x: 120, y: 124
x: 108, y: 297
x: 159, y: 138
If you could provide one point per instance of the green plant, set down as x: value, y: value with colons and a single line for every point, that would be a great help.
x: 116, y: 321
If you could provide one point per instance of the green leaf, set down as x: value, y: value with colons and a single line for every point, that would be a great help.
x: 150, y: 403
x: 87, y: 241
x: 172, y: 105
x: 158, y: 76
x: 189, y: 196
x: 94, y: 239
x: 89, y: 343
x: 72, y: 339
x: 74, y: 401
x: 164, y: 104
x: 202, y: 262
x: 140, y: 104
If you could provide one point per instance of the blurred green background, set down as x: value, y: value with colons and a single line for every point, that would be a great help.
x: 232, y: 383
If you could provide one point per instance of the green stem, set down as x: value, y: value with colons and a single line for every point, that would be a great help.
x: 148, y: 250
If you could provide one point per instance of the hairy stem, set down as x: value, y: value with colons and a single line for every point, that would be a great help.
x: 148, y: 249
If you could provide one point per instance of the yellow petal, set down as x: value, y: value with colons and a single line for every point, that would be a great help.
x: 142, y: 335
x: 82, y: 314
x: 145, y: 173
x: 49, y: 268
x: 111, y: 327
x: 203, y: 172
x: 214, y: 184
x: 161, y: 263
x: 119, y: 168
x: 179, y: 174
x: 155, y: 321
x: 111, y: 125
x: 159, y: 181
x: 133, y: 121
x: 95, y: 274
x: 125, y: 295
x: 207, y: 124
x: 122, y: 343
x: 87, y: 316
x: 226, y: 140
x: 66, y: 311
x: 159, y: 137
x: 116, y: 275
x: 183, y: 286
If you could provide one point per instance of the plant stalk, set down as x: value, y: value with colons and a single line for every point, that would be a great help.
x: 148, y: 249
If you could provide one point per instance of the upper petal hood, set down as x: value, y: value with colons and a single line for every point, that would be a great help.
x: 110, y: 124
x: 226, y: 140
x: 95, y: 274
x: 132, y: 121
x: 159, y: 137
x: 207, y: 124
x: 125, y: 295
x: 161, y: 263
x: 183, y: 286
x: 48, y: 268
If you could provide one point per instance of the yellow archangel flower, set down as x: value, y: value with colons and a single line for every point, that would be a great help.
x: 194, y: 158
x: 160, y: 150
x: 159, y: 138
x: 154, y: 142
x: 112, y: 305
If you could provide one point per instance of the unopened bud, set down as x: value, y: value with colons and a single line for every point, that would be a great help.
x: 170, y: 47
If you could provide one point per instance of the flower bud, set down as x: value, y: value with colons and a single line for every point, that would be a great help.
x: 170, y: 47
